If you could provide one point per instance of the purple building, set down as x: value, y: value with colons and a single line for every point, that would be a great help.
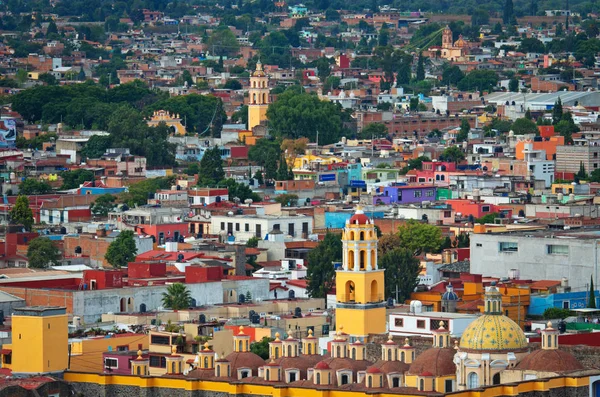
x: 406, y: 194
x: 119, y: 362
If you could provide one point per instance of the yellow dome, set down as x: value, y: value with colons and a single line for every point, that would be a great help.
x: 493, y: 332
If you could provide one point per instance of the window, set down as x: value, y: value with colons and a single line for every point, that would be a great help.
x: 123, y: 348
x: 246, y: 227
x: 160, y: 340
x: 237, y: 227
x: 399, y: 322
x: 420, y: 323
x: 553, y: 249
x: 158, y: 362
x: 418, y: 193
x: 111, y: 363
x: 222, y: 225
x: 447, y: 214
x: 429, y: 193
x: 508, y: 247
x: 485, y: 208
x: 479, y: 245
x: 473, y: 380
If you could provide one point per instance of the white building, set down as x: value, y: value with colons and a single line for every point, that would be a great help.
x: 421, y: 324
x: 242, y: 227
x: 538, y: 167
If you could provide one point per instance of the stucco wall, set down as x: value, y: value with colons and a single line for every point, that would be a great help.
x: 90, y: 305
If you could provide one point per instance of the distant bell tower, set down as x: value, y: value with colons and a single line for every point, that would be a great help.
x: 258, y: 97
x: 360, y: 285
x: 446, y: 38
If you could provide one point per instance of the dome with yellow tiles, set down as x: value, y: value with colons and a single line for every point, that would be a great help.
x: 493, y: 331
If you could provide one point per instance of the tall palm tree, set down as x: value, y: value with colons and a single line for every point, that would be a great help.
x: 177, y: 297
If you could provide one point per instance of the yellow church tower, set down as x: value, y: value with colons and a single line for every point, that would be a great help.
x: 258, y: 97
x: 360, y: 307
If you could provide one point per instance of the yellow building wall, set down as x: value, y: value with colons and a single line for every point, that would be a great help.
x: 361, y: 322
x: 244, y: 389
x: 256, y: 114
x: 86, y: 354
x: 362, y: 285
x: 40, y: 344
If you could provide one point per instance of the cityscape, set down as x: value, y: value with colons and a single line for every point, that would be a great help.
x: 261, y: 198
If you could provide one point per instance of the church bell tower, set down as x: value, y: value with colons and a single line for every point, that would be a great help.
x: 258, y: 97
x: 360, y: 285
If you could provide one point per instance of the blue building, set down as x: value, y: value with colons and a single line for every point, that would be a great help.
x: 565, y: 300
x: 338, y: 220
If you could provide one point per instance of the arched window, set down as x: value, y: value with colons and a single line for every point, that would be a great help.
x: 276, y: 352
x: 496, y: 379
x: 338, y: 351
x: 309, y: 349
x: 363, y: 259
x: 318, y: 378
x: 422, y: 384
x: 371, y: 381
x: 241, y: 346
x: 344, y: 379
x: 218, y: 370
x: 362, y: 236
x: 268, y: 374
x: 138, y: 370
x: 473, y: 380
x: 289, y: 353
x: 389, y: 354
x: 350, y: 260
x: 205, y: 362
x: 354, y: 353
x: 441, y: 341
x: 549, y: 341
x: 402, y: 356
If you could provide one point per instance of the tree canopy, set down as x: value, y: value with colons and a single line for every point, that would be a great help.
x: 420, y: 237
x: 298, y: 114
x: 21, y: 213
x: 122, y: 250
x: 401, y: 273
x: 177, y: 297
x: 320, y: 272
x: 41, y: 253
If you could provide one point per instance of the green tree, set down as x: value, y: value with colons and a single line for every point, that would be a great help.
x: 41, y: 253
x: 122, y: 250
x: 524, y: 126
x: 239, y: 191
x: 177, y: 297
x: 21, y: 76
x: 465, y: 127
x: 103, y: 205
x: 48, y: 78
x: 139, y: 192
x: 420, y: 68
x: 320, y: 272
x: 581, y: 174
x: 252, y: 242
x: 75, y: 178
x: 373, y: 131
x: 211, y: 167
x: 452, y: 154
x: 52, y: 29
x: 261, y: 348
x: 384, y: 36
x: 513, y: 85
x: 31, y: 186
x: 420, y: 237
x: 595, y: 176
x: 478, y: 80
x: 232, y: 84
x: 401, y: 273
x: 21, y: 213
x: 552, y: 313
x: 298, y: 114
x: 287, y: 199
x: 451, y: 75
x: 222, y: 42
x: 388, y: 242
x: 282, y: 171
x: 508, y: 14
x: 557, y: 111
x: 592, y: 295
x: 487, y: 218
x: 95, y: 147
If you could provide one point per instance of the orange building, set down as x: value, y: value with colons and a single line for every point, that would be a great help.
x: 549, y: 146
